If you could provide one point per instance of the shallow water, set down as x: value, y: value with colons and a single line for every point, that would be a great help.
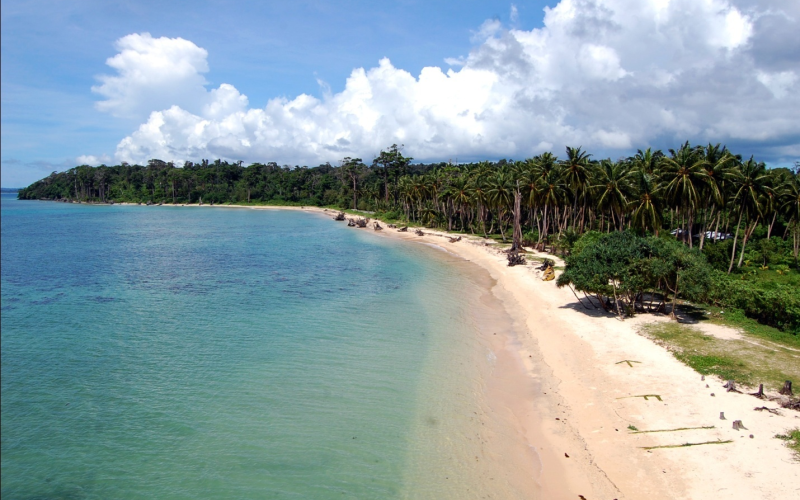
x: 168, y: 352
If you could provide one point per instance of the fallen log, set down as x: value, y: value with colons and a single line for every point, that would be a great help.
x: 453, y: 240
x: 403, y: 229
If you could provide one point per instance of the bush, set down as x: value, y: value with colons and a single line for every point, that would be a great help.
x: 778, y: 306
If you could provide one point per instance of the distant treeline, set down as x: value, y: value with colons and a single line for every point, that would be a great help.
x: 736, y: 214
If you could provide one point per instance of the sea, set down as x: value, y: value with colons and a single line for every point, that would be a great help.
x: 211, y: 352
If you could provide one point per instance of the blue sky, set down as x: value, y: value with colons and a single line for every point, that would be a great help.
x: 591, y: 73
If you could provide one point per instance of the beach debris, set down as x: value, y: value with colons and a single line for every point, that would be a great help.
x: 403, y: 229
x: 791, y: 404
x: 702, y: 377
x: 629, y: 361
x: 722, y: 415
x: 751, y: 436
x: 737, y: 424
x: 339, y: 216
x: 377, y: 226
x: 712, y: 394
x: 515, y: 259
x: 774, y: 411
x: 730, y: 385
x: 786, y: 390
x: 645, y: 396
x: 351, y: 223
x: 760, y: 393
x: 566, y: 455
x: 582, y: 497
x: 391, y: 225
x: 419, y: 232
x: 454, y: 240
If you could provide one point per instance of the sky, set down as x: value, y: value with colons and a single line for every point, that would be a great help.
x: 309, y: 82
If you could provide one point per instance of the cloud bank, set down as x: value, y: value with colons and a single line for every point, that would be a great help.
x: 608, y: 75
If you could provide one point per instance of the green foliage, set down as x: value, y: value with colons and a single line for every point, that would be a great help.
x: 792, y: 438
x: 724, y: 367
x: 624, y: 266
x: 778, y: 306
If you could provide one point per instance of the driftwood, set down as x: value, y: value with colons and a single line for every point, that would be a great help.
x: 361, y: 223
x: 453, y: 240
x: 351, y: 223
x: 515, y: 259
x: 403, y: 229
x: 339, y: 216
x: 391, y: 225
x: 377, y: 226
x: 545, y: 264
x: 786, y: 390
x: 791, y: 404
x: 774, y: 411
x: 419, y: 232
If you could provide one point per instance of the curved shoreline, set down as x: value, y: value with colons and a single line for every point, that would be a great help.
x: 577, y: 422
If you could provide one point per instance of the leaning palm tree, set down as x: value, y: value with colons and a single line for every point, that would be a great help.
x: 751, y: 188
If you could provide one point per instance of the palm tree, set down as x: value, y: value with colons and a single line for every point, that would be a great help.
x: 683, y: 174
x: 501, y: 196
x: 750, y: 182
x: 576, y: 175
x: 612, y: 188
x: 647, y: 204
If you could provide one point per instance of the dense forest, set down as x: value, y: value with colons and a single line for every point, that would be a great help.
x: 741, y: 216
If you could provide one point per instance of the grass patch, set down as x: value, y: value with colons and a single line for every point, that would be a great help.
x: 685, y: 445
x: 739, y: 360
x: 636, y: 431
x: 792, y: 439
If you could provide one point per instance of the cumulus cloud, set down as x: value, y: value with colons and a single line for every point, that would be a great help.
x: 608, y: 75
x: 153, y: 73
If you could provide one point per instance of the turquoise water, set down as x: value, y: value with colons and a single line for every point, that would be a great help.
x: 163, y: 352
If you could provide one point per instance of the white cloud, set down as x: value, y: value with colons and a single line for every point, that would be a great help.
x: 778, y: 83
x: 153, y: 73
x: 93, y: 160
x: 603, y: 74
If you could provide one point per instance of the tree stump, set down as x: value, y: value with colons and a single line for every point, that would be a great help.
x: 787, y: 388
x: 760, y: 393
x: 730, y: 385
x: 419, y: 232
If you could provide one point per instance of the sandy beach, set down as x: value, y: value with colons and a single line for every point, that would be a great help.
x: 571, y: 384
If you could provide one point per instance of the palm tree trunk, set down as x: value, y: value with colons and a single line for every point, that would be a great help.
x: 747, y: 234
x: 736, y: 237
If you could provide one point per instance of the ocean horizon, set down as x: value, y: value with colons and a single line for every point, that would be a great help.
x: 170, y: 352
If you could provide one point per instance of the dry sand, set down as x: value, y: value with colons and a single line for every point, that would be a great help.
x: 582, y: 395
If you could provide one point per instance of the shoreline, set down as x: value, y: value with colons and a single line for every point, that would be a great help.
x: 570, y: 397
x: 589, y: 396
